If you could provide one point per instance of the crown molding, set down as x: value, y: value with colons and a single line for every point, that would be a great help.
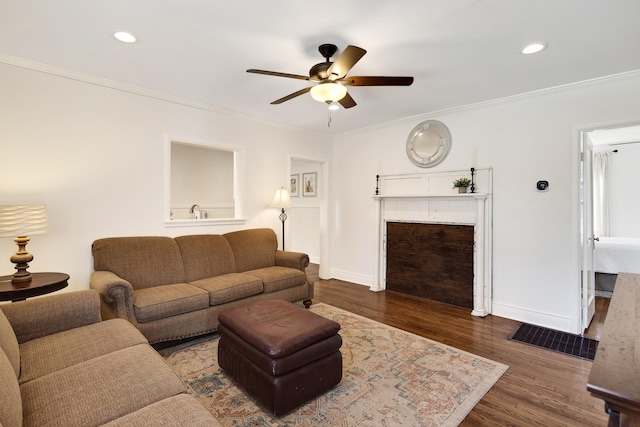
x: 112, y: 84
x: 511, y: 98
x: 135, y: 90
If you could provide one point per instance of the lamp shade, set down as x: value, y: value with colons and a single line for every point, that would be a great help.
x: 281, y: 199
x: 27, y: 220
x: 328, y: 92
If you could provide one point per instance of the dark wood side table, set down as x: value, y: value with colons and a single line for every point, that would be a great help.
x: 615, y: 374
x: 41, y: 283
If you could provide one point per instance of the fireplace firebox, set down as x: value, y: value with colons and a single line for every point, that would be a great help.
x: 433, y: 261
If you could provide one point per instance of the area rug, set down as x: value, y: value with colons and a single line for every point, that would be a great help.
x: 390, y: 378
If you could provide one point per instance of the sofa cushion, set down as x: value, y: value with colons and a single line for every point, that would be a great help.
x: 99, y: 390
x: 278, y: 278
x: 74, y: 346
x: 142, y: 261
x: 205, y: 255
x: 180, y: 410
x: 252, y: 249
x: 230, y: 287
x: 11, y: 401
x: 9, y: 344
x: 169, y: 300
x: 37, y: 317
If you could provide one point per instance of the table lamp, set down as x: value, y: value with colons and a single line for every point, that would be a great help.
x: 20, y: 222
x: 282, y: 201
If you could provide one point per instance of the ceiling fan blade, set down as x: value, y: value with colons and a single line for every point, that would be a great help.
x: 277, y: 74
x: 345, y: 62
x: 377, y: 81
x: 347, y: 101
x: 292, y: 95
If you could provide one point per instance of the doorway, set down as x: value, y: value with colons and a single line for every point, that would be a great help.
x: 308, y: 214
x: 610, y: 233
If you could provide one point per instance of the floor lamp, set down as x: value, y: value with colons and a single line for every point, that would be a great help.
x: 281, y: 200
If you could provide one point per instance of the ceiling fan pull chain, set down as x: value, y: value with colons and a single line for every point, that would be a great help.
x: 329, y: 118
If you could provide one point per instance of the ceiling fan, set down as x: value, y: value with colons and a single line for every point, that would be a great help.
x: 332, y: 80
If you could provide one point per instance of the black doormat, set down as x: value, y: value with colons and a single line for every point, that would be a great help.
x: 562, y: 342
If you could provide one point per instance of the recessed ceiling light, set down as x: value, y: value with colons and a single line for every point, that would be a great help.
x: 534, y: 48
x: 125, y: 37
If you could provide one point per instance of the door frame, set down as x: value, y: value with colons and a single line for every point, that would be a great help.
x: 587, y: 241
x: 324, y: 261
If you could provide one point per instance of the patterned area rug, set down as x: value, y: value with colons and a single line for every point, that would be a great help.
x: 390, y: 378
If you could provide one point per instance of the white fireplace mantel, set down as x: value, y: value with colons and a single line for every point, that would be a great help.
x: 428, y: 198
x: 432, y: 196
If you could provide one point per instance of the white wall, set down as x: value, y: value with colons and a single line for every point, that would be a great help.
x: 525, y: 139
x: 96, y: 157
x: 624, y: 187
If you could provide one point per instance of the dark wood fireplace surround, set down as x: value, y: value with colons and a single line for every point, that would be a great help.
x: 433, y: 261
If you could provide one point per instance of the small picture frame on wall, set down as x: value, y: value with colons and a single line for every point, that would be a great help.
x: 309, y: 184
x: 294, y: 189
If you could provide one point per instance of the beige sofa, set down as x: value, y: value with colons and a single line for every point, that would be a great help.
x: 174, y: 288
x: 60, y: 365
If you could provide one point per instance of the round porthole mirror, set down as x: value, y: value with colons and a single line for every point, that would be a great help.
x: 428, y: 143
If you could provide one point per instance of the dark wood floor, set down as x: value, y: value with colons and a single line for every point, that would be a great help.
x: 540, y: 388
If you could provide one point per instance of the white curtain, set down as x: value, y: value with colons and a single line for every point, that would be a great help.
x: 601, y: 166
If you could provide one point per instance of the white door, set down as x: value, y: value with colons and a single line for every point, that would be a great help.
x: 588, y: 247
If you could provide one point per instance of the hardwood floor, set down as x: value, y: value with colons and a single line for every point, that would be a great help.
x: 540, y: 388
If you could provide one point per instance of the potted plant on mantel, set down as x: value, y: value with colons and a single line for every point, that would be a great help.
x: 462, y: 184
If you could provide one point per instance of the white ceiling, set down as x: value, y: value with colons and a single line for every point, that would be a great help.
x: 459, y: 51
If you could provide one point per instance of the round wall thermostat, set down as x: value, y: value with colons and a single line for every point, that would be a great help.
x: 542, y: 185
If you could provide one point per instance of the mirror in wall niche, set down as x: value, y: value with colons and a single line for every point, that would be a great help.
x: 428, y: 143
x: 202, y: 180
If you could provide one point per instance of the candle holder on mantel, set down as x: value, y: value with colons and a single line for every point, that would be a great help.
x: 473, y: 186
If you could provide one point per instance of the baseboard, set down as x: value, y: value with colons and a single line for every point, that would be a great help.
x: 539, y: 318
x: 360, y: 279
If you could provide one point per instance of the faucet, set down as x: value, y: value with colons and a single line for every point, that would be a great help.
x: 195, y: 210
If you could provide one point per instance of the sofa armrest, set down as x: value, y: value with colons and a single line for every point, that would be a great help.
x: 297, y: 260
x: 49, y: 315
x: 116, y: 295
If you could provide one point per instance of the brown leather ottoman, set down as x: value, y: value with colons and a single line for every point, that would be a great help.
x: 280, y: 353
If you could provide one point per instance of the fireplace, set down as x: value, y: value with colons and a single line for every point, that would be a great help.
x: 407, y: 202
x: 433, y: 261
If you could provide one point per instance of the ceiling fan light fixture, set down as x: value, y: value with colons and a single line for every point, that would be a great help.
x: 331, y: 78
x: 328, y: 92
x: 334, y: 106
